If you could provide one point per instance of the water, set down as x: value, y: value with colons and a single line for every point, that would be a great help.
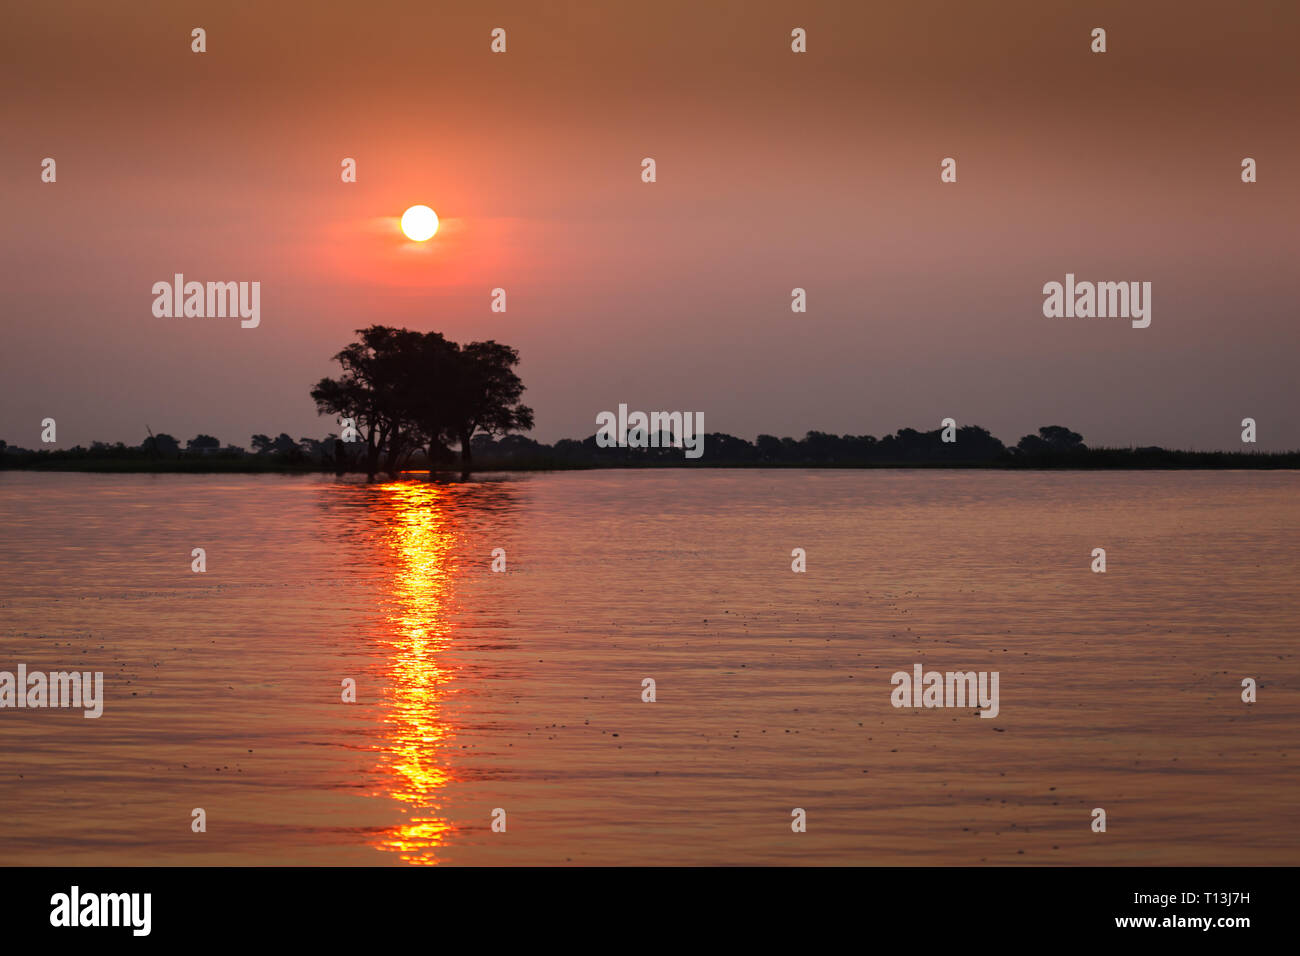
x: 522, y: 691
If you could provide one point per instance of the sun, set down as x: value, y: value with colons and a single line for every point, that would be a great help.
x: 419, y: 223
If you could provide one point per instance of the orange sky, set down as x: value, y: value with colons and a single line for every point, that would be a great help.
x: 775, y: 170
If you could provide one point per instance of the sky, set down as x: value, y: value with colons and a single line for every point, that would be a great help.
x: 775, y: 170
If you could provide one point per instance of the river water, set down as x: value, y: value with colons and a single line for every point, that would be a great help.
x: 481, y: 691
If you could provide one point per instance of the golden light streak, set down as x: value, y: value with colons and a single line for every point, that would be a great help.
x: 420, y: 541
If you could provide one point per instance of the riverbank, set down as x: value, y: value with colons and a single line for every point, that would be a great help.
x: 1120, y: 459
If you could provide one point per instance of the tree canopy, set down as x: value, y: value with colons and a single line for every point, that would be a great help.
x: 405, y: 390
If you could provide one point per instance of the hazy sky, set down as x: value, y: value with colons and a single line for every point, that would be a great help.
x: 775, y: 170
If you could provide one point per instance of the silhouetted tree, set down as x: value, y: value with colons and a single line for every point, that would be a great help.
x: 162, y: 444
x: 768, y: 447
x: 975, y: 444
x: 202, y: 444
x: 465, y: 391
x: 428, y: 379
x: 1051, y: 438
x: 405, y: 389
x: 376, y: 376
x: 281, y: 445
x: 727, y: 448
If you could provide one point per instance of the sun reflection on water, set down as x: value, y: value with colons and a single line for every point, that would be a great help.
x: 418, y: 533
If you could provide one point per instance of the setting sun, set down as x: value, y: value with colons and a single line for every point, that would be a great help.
x: 419, y: 223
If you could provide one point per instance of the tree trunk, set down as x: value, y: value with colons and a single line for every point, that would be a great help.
x: 372, y: 458
x: 466, y: 456
x: 391, y: 461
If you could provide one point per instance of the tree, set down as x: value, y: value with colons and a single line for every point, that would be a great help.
x: 487, y: 394
x: 202, y: 444
x: 1060, y: 437
x: 376, y: 376
x: 460, y: 392
x: 1051, y: 438
x: 281, y: 445
x: 768, y: 447
x: 427, y: 388
x: 161, y: 444
x: 404, y: 389
x: 976, y: 444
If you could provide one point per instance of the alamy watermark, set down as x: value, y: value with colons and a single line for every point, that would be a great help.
x: 1086, y: 300
x: 950, y: 689
x: 75, y: 908
x: 641, y: 430
x: 217, y: 300
x: 56, y: 689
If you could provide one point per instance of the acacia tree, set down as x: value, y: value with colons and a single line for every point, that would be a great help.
x: 369, y: 392
x: 429, y: 377
x: 484, y: 396
x: 404, y: 389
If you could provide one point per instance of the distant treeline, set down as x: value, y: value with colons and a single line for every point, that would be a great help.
x: 1052, y: 447
x: 403, y: 399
